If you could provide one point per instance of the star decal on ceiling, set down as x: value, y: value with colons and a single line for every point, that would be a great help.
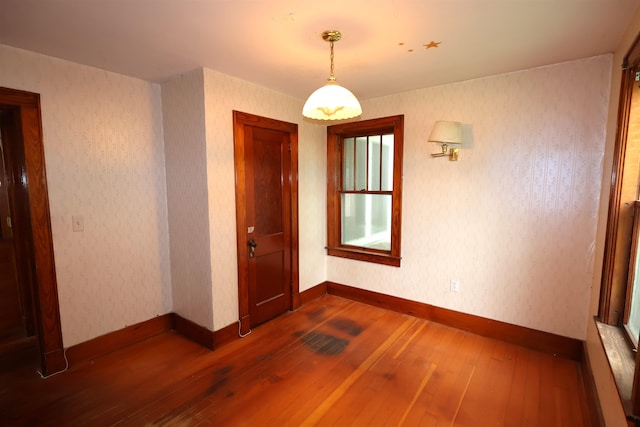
x: 428, y: 45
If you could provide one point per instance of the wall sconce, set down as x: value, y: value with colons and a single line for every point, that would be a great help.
x: 446, y: 133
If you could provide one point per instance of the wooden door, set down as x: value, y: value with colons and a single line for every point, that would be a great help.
x: 12, y: 311
x: 31, y: 224
x: 266, y: 214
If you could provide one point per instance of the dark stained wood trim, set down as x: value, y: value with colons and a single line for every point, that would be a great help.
x: 526, y: 337
x: 611, y: 291
x: 19, y: 206
x: 364, y: 255
x: 632, y: 58
x: 617, y: 242
x: 295, y: 255
x: 45, y: 292
x: 240, y: 120
x: 593, y: 410
x: 241, y: 226
x: 129, y: 335
x: 192, y: 331
x: 121, y: 338
x: 225, y: 335
x: 631, y: 277
x: 316, y: 292
x: 335, y: 135
x: 540, y: 341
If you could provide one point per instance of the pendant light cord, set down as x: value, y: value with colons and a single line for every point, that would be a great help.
x: 331, y: 74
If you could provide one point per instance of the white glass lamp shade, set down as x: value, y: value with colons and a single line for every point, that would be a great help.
x: 446, y: 132
x: 332, y: 102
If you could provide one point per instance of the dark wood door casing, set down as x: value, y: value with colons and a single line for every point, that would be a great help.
x: 244, y: 123
x: 32, y: 224
x: 619, y: 218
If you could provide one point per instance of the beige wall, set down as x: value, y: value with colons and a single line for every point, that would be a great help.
x: 201, y: 190
x: 607, y: 392
x: 186, y: 165
x: 524, y: 257
x: 223, y: 94
x: 514, y: 220
x: 104, y: 156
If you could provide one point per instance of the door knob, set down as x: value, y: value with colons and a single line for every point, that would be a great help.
x: 252, y: 248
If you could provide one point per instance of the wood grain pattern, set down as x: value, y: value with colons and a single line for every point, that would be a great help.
x: 332, y: 362
x: 226, y: 335
x: 113, y: 341
x: 335, y: 135
x: 519, y: 335
x: 192, y: 331
x: 37, y: 250
x: 242, y: 123
x: 10, y: 309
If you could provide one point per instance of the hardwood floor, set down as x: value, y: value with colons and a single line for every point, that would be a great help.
x: 334, y: 362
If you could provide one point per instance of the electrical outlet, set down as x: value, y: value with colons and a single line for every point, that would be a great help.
x: 454, y: 286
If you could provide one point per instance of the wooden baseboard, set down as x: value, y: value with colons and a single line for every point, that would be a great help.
x: 226, y: 335
x: 593, y: 409
x: 313, y: 293
x: 530, y: 338
x: 192, y: 331
x: 526, y: 337
x: 112, y: 341
x: 53, y: 361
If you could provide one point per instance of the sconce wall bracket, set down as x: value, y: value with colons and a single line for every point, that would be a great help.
x: 446, y: 151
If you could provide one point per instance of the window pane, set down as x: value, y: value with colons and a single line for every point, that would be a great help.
x: 387, y: 162
x: 366, y: 220
x: 347, y: 165
x: 374, y: 163
x: 361, y: 163
x: 634, y: 312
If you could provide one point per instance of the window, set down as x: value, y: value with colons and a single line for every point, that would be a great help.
x: 619, y: 311
x: 364, y: 190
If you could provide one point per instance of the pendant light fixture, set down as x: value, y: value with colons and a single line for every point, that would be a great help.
x: 331, y: 101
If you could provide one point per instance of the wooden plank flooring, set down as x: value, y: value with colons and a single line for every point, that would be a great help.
x: 334, y: 362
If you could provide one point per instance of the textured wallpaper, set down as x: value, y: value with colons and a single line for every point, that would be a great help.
x: 103, y: 142
x: 514, y: 220
x: 197, y: 108
x: 186, y: 165
x: 223, y: 94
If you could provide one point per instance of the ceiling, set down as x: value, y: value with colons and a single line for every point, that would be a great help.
x: 278, y: 44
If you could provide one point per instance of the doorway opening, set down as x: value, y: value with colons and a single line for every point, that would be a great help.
x: 27, y: 244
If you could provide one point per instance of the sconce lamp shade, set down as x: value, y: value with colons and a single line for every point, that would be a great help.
x: 332, y: 102
x: 446, y: 132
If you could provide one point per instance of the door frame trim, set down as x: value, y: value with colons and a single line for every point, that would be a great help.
x: 240, y: 120
x: 40, y: 244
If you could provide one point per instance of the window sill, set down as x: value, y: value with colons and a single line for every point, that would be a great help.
x: 621, y: 361
x: 362, y: 255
